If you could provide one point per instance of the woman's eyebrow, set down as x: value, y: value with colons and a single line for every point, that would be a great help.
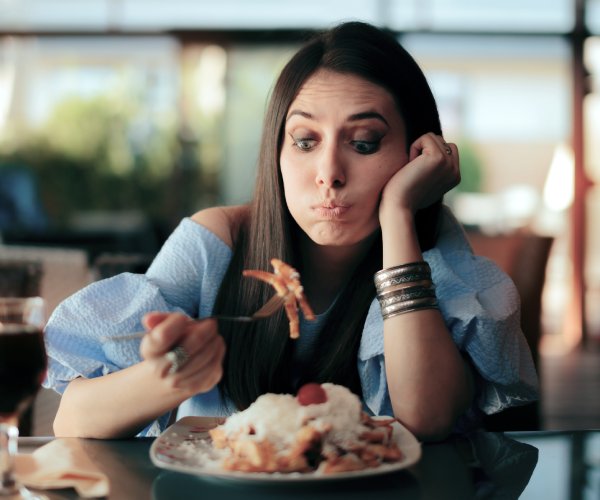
x: 368, y: 115
x: 365, y: 115
x: 298, y: 112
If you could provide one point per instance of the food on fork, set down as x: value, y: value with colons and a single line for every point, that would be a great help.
x: 323, y: 429
x: 286, y: 281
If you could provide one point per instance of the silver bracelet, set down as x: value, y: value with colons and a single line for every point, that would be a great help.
x: 400, y: 280
x: 383, y: 275
x: 390, y: 290
x: 405, y: 295
x: 409, y: 306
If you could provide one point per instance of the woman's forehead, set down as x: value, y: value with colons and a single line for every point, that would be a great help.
x: 343, y: 93
x: 326, y: 85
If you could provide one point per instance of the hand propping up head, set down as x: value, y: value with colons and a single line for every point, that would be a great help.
x: 432, y: 171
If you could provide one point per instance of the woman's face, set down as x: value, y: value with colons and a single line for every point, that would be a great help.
x: 344, y: 139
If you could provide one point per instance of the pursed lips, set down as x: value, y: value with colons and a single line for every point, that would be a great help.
x: 331, y: 209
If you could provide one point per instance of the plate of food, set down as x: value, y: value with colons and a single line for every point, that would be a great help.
x: 320, y: 434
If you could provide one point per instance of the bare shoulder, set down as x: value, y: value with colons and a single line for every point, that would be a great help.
x: 224, y: 222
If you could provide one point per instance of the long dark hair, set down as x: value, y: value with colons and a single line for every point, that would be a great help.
x: 258, y: 356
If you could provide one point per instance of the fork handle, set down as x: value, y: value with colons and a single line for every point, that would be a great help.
x: 241, y: 319
x: 139, y: 335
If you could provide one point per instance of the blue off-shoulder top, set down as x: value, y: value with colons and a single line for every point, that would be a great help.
x: 478, y: 301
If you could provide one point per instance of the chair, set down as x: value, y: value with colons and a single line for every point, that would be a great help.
x: 20, y: 278
x: 524, y: 258
x: 107, y: 265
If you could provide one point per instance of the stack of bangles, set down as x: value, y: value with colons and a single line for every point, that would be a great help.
x: 405, y: 288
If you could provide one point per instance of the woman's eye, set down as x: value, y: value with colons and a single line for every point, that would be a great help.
x: 304, y: 144
x: 365, y: 147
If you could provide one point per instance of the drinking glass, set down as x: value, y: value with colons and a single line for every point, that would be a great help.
x: 22, y: 368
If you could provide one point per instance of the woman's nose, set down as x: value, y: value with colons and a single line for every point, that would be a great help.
x: 331, y: 168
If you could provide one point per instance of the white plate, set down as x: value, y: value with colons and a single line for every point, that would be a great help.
x: 184, y: 447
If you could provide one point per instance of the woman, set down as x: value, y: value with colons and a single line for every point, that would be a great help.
x: 351, y: 175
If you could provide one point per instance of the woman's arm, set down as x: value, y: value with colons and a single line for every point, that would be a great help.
x: 116, y: 405
x: 135, y: 393
x: 122, y: 403
x: 429, y: 383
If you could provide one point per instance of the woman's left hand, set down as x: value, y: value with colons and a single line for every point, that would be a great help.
x: 432, y: 170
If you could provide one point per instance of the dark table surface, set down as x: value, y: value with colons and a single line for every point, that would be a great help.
x: 484, y: 465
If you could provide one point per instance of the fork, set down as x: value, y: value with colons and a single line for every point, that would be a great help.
x: 268, y: 309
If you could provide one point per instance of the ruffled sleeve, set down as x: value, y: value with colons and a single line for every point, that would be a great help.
x: 184, y: 276
x: 481, y: 308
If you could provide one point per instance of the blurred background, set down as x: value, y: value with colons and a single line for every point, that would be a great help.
x: 120, y: 117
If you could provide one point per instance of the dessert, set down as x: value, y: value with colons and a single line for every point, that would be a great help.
x: 323, y: 429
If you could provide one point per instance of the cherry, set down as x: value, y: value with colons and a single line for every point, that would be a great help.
x: 311, y: 394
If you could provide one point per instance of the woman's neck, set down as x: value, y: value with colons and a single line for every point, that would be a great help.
x: 326, y: 269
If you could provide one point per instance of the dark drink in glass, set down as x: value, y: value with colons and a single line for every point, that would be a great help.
x: 22, y: 367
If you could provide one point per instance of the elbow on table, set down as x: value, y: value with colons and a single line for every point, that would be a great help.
x: 69, y: 421
x: 64, y: 428
x: 69, y: 427
x: 433, y: 417
x: 430, y: 422
x: 427, y: 428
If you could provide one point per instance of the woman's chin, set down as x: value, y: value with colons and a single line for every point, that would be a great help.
x: 343, y: 239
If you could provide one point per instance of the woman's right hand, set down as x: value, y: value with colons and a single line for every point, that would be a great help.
x: 199, y: 339
x: 122, y: 403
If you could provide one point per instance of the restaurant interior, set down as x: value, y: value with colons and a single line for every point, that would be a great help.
x: 120, y: 117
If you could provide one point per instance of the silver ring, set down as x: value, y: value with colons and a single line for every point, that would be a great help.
x: 178, y: 357
x: 448, y: 149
